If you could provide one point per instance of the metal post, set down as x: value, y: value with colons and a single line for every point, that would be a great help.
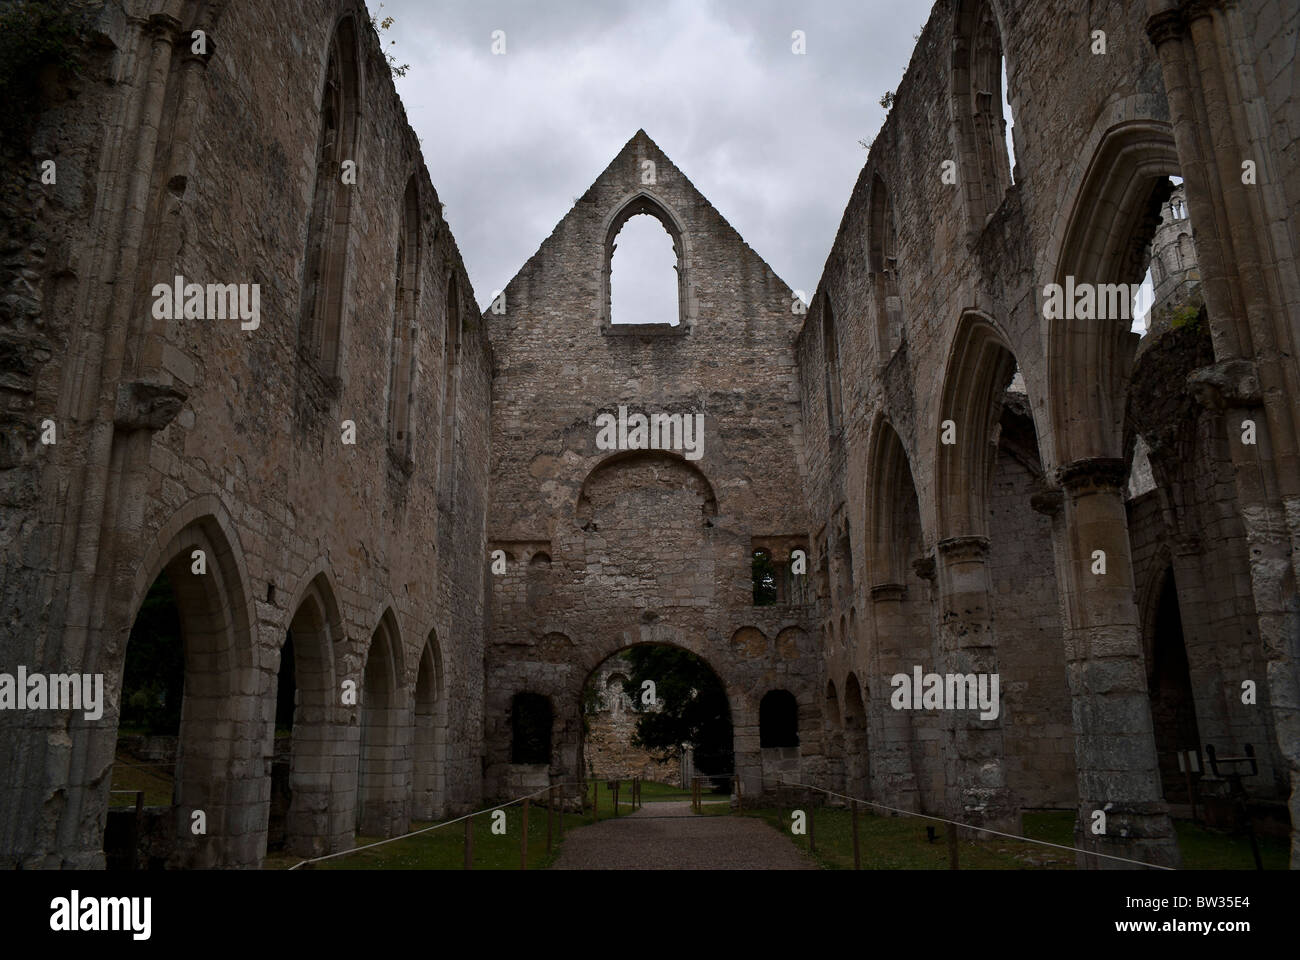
x: 523, y: 840
x: 469, y: 843
x: 137, y: 828
x: 857, y: 858
x: 952, y: 847
x: 617, y: 784
x: 550, y: 815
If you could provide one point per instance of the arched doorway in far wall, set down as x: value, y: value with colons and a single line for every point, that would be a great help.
x: 669, y: 718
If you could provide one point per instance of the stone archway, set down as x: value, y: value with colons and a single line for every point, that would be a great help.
x: 217, y: 803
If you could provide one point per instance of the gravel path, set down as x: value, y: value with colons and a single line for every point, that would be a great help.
x: 667, y: 836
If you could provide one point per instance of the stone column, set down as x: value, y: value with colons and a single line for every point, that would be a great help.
x: 1115, y: 755
x: 976, y: 790
x: 892, y: 778
x: 1247, y: 266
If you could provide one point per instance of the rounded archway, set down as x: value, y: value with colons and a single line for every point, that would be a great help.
x: 660, y: 713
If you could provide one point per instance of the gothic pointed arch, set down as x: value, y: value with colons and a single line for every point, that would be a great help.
x: 831, y: 366
x: 1107, y: 237
x: 980, y: 367
x: 894, y: 516
x: 644, y: 203
x: 450, y: 380
x: 983, y: 165
x: 882, y: 261
x: 406, y: 296
x: 324, y: 281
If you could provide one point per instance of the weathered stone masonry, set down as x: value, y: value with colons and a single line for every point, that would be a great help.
x: 951, y: 461
x: 928, y: 306
x: 195, y: 434
x: 642, y: 545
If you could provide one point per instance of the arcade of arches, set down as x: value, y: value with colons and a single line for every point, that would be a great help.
x: 926, y: 470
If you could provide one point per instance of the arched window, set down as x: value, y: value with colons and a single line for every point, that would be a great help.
x: 530, y: 728
x: 450, y: 381
x: 402, y: 375
x: 642, y: 290
x: 643, y: 274
x: 325, y: 263
x: 764, y: 577
x: 882, y: 257
x: 778, y: 720
x: 977, y: 77
x: 538, y: 583
x: 831, y: 356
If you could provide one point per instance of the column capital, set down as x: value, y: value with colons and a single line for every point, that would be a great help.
x: 1195, y: 9
x: 1092, y: 474
x: 1232, y: 383
x: 924, y: 568
x: 161, y: 26
x: 889, y: 591
x: 1165, y: 26
x: 1048, y: 502
x: 957, y: 549
x: 145, y: 405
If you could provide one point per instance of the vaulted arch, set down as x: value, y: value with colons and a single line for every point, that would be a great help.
x: 384, y: 769
x: 429, y: 749
x: 980, y: 367
x: 894, y: 538
x: 308, y: 694
x: 202, y: 562
x: 1114, y: 216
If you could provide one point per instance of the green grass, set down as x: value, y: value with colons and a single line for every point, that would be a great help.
x: 1202, y: 848
x: 444, y: 849
x: 900, y: 843
x: 129, y: 774
x: 651, y: 792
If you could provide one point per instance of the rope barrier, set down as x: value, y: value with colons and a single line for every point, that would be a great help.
x: 958, y: 823
x: 436, y: 826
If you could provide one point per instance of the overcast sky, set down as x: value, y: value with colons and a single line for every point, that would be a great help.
x: 769, y: 137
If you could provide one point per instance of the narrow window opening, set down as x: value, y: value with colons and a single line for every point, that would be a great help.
x: 644, y: 278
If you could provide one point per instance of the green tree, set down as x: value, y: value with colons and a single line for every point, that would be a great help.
x: 153, y: 679
x: 692, y: 710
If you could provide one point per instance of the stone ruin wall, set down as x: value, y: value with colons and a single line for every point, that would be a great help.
x: 611, y: 723
x: 242, y: 447
x: 645, y: 547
